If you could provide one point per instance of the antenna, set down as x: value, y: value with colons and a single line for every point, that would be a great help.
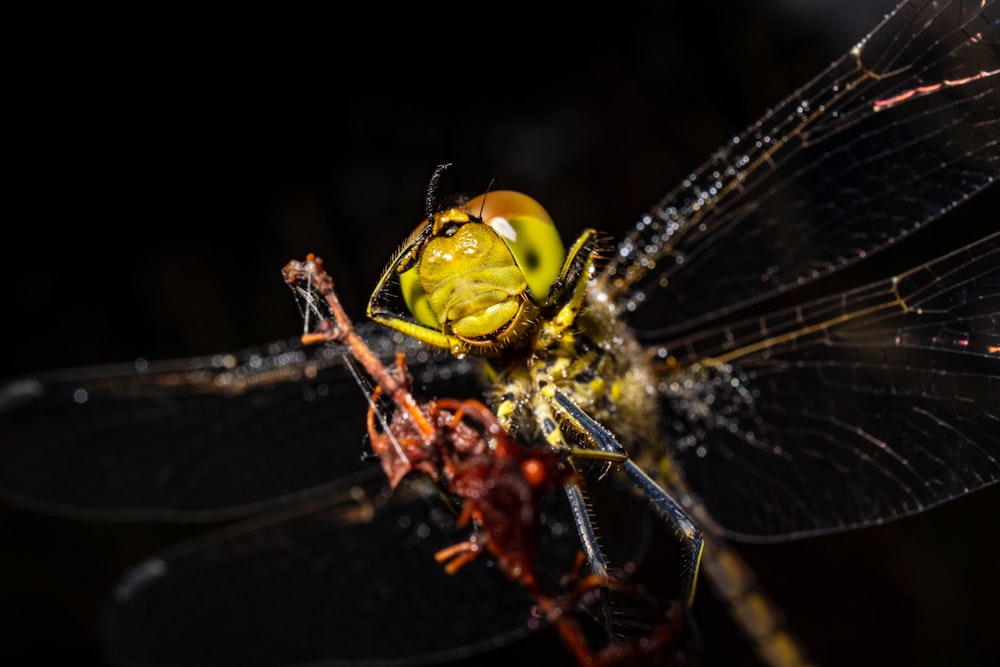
x: 483, y: 205
x: 429, y: 204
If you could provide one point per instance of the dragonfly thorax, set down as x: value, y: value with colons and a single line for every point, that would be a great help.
x: 596, y: 364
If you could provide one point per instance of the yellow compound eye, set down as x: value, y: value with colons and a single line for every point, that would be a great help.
x: 529, y: 233
x: 409, y: 281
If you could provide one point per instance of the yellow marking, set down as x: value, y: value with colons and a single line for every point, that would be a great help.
x: 553, y: 328
x: 597, y: 455
x: 420, y: 332
x: 761, y: 621
x: 782, y: 650
x: 505, y: 409
x: 696, y: 564
x: 543, y: 414
x: 452, y: 215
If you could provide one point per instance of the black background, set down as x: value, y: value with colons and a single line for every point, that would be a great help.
x: 165, y: 167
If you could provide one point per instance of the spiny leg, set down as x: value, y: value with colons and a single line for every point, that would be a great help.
x: 506, y: 409
x: 668, y: 509
x: 585, y: 527
x: 578, y: 506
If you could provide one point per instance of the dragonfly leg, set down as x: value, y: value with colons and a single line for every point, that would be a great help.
x: 672, y: 512
x: 575, y: 273
x: 588, y: 540
x: 668, y: 508
x: 578, y: 505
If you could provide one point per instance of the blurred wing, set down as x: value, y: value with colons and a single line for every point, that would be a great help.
x: 847, y: 411
x: 341, y: 581
x: 350, y: 580
x: 891, y: 136
x: 199, y: 439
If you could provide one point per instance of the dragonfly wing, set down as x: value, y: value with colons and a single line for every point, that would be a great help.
x: 884, y: 141
x: 848, y: 411
x: 346, y: 580
x: 200, y: 439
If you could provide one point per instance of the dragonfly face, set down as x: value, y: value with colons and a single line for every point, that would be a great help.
x: 640, y: 175
x: 475, y: 277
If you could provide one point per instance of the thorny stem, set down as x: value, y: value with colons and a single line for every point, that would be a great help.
x: 312, y: 271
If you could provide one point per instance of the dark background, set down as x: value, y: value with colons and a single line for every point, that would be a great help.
x: 165, y: 169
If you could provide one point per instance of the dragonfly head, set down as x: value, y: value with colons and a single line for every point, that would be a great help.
x: 480, y: 272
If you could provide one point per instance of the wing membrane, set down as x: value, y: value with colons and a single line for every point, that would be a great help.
x: 829, y: 176
x: 854, y: 409
x: 199, y: 439
x: 329, y: 584
x: 347, y: 579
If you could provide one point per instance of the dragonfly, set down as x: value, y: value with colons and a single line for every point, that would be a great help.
x: 139, y: 510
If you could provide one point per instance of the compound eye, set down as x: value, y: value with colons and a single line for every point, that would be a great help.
x: 531, y: 236
x: 410, y: 285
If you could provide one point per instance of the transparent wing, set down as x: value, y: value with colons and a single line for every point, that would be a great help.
x: 351, y: 579
x: 329, y: 584
x: 199, y: 439
x: 846, y: 411
x: 887, y: 139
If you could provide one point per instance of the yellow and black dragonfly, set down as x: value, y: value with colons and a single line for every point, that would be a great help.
x: 230, y: 435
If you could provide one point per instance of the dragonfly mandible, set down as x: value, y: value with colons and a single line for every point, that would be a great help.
x: 127, y: 302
